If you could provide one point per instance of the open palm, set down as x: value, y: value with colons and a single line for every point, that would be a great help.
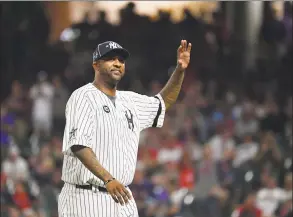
x: 183, y: 55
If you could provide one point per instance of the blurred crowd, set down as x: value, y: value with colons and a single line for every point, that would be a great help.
x: 225, y: 148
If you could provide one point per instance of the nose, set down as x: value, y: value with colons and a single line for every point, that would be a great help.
x: 117, y: 63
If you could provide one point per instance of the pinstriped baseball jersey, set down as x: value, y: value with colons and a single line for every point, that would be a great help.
x: 110, y: 130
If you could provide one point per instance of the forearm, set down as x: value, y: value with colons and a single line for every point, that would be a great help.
x: 88, y: 158
x: 171, y: 90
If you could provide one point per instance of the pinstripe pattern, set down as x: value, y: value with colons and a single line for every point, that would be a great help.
x: 113, y: 141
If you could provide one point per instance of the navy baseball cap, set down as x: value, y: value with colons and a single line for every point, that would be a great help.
x: 108, y: 47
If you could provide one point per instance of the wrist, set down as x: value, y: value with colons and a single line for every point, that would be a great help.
x: 109, y: 180
x: 179, y: 69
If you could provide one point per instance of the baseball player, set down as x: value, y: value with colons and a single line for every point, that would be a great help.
x: 102, y: 133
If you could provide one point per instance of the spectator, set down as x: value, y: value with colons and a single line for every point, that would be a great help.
x: 226, y: 173
x: 161, y: 195
x: 49, y: 195
x: 21, y: 199
x: 171, y: 150
x: 44, y: 165
x: 13, y: 212
x: 221, y: 142
x: 193, y: 147
x: 7, y: 125
x: 206, y: 177
x: 246, y: 151
x: 248, y: 208
x: 17, y: 101
x: 42, y: 96
x: 15, y: 167
x: 247, y: 124
x: 142, y: 190
x: 285, y: 209
x: 60, y: 98
x: 269, y: 197
x: 6, y: 199
x: 217, y: 95
x: 186, y: 172
x: 176, y: 197
x: 274, y: 121
x: 268, y: 156
x: 288, y: 186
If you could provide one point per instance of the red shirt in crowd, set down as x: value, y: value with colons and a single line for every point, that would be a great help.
x: 21, y: 198
x: 242, y: 211
x: 186, y: 179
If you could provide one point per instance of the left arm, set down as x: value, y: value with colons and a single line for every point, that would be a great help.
x: 172, y: 89
x: 151, y: 110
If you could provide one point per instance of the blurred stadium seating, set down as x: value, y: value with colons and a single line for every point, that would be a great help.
x: 228, y: 137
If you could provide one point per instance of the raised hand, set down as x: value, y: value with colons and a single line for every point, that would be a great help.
x: 118, y: 192
x: 183, y: 55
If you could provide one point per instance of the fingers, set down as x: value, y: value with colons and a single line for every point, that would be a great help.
x: 114, y: 197
x: 120, y: 198
x: 121, y: 195
x: 189, y: 47
x: 127, y: 193
x: 183, y: 46
x: 180, y: 49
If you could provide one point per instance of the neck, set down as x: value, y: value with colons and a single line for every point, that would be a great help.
x: 109, y: 90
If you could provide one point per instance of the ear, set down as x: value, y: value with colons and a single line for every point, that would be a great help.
x: 95, y: 66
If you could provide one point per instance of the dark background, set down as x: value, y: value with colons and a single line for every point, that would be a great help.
x: 217, y: 72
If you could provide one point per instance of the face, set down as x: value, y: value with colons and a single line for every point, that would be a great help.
x: 13, y: 156
x: 110, y: 69
x: 250, y: 201
x: 228, y: 154
x: 16, y: 88
x: 207, y: 152
x: 56, y: 81
x: 271, y: 182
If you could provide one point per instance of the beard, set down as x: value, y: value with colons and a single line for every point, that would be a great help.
x: 111, y: 78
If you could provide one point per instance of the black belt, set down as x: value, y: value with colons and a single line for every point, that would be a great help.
x: 90, y: 187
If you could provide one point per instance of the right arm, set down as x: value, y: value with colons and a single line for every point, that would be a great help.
x: 86, y: 155
x: 89, y: 160
x: 79, y: 130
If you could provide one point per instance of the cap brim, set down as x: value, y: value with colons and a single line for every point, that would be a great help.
x: 117, y: 51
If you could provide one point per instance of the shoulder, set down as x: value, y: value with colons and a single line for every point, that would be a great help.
x: 82, y: 92
x: 81, y: 95
x: 48, y: 85
x: 22, y: 161
x: 128, y: 94
x: 135, y: 97
x: 237, y: 212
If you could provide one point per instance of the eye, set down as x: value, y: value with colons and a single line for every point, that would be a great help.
x: 121, y: 60
x: 108, y: 58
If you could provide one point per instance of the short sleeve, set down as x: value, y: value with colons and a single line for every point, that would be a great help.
x: 79, y: 123
x: 150, y: 110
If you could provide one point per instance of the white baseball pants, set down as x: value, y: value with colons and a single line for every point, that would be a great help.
x: 74, y: 202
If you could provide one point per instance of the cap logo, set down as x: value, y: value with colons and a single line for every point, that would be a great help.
x: 113, y: 45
